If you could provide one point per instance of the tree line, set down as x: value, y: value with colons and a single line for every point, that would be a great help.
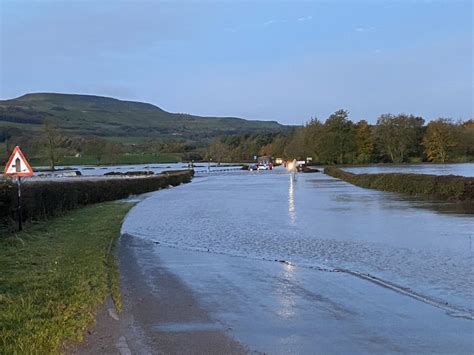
x: 49, y: 145
x: 338, y: 140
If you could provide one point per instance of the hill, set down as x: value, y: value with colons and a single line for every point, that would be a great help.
x: 85, y: 115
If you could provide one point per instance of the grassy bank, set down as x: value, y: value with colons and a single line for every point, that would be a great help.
x: 447, y: 187
x: 53, y: 278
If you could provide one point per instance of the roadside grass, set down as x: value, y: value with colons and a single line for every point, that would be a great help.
x: 54, y: 276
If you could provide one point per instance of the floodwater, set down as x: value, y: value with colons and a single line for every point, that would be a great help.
x: 156, y: 168
x: 400, y: 254
x: 465, y: 169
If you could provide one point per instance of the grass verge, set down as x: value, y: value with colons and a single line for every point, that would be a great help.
x: 54, y: 276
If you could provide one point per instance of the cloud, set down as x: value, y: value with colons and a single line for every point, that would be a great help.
x: 270, y: 22
x: 307, y: 18
x: 364, y: 29
x: 281, y: 21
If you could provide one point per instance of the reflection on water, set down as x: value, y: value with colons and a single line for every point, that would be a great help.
x: 338, y: 225
x: 291, y: 199
x: 287, y: 297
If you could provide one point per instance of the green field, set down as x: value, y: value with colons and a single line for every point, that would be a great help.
x: 55, y: 275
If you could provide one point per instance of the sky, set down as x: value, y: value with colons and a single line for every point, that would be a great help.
x: 271, y: 60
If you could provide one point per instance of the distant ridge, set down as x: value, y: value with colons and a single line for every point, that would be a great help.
x: 105, y: 116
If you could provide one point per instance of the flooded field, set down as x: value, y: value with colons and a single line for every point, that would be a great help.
x: 465, y: 169
x: 156, y: 168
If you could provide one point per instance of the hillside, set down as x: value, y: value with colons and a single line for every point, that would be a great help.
x: 84, y: 115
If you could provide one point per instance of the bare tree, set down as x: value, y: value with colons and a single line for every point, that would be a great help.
x: 54, y: 139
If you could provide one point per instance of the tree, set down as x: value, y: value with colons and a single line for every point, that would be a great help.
x: 103, y: 150
x: 313, y: 132
x: 218, y: 150
x: 364, y: 142
x: 268, y: 149
x: 295, y: 149
x: 97, y: 147
x: 53, y: 141
x: 439, y: 140
x: 280, y: 142
x: 337, y: 143
x: 398, y: 136
x: 464, y: 150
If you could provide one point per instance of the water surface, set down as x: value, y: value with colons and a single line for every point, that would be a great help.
x: 316, y: 221
x: 465, y: 169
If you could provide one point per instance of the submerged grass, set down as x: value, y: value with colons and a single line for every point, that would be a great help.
x: 53, y: 278
x: 443, y: 187
x: 145, y: 158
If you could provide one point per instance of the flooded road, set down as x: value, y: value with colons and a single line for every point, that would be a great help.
x: 417, y: 257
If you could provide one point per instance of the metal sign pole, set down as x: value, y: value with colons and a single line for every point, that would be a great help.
x: 19, y: 211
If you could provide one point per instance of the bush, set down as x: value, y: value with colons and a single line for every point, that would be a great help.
x: 45, y: 199
x: 6, y: 201
x: 444, y: 187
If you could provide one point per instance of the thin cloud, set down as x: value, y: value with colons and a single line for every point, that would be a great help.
x: 273, y: 22
x: 307, y: 18
x: 270, y: 22
x: 364, y: 29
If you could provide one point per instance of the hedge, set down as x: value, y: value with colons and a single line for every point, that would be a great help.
x: 443, y: 187
x: 45, y: 199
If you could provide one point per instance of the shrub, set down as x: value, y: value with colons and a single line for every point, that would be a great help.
x: 6, y: 201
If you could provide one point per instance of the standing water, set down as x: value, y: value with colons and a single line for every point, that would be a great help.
x: 315, y: 221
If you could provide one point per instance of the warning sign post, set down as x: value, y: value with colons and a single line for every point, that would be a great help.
x: 18, y: 167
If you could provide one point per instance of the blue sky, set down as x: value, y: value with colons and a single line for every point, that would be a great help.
x: 285, y: 61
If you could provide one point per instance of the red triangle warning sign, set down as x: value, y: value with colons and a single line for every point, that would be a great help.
x: 17, y: 165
